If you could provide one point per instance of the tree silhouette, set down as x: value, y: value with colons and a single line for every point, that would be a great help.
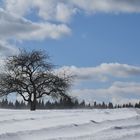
x: 30, y: 74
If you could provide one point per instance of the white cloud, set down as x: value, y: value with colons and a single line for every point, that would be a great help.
x: 17, y: 28
x: 18, y: 7
x: 102, y: 72
x: 13, y: 27
x: 53, y: 10
x: 46, y: 30
x: 126, y: 6
x: 14, y: 24
x: 62, y: 10
x: 47, y: 9
x: 7, y: 49
x: 118, y: 93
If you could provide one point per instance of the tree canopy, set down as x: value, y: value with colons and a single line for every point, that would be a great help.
x: 31, y: 75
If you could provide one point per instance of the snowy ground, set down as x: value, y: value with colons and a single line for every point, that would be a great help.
x: 117, y: 124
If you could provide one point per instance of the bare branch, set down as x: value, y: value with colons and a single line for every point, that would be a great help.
x: 30, y: 73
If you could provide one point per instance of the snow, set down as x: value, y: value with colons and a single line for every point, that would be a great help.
x: 113, y: 124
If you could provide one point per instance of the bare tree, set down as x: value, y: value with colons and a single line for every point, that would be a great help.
x: 30, y: 74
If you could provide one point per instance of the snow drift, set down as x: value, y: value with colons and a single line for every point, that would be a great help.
x: 116, y: 124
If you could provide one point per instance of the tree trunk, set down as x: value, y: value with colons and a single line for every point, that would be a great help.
x: 33, y: 105
x: 33, y: 102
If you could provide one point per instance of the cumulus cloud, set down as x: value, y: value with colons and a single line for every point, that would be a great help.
x: 54, y: 10
x: 7, y: 49
x: 115, y: 6
x: 102, y: 72
x: 11, y: 26
x: 14, y: 23
x: 46, y: 30
x: 62, y: 10
x: 18, y: 7
x: 100, y: 83
x: 14, y: 13
x: 19, y: 28
x: 118, y: 93
x: 47, y: 9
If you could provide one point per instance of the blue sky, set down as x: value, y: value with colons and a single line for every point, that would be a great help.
x: 96, y: 41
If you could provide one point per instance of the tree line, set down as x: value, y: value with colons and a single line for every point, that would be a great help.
x: 63, y: 104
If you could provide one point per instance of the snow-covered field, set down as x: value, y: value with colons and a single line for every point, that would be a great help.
x: 117, y: 124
